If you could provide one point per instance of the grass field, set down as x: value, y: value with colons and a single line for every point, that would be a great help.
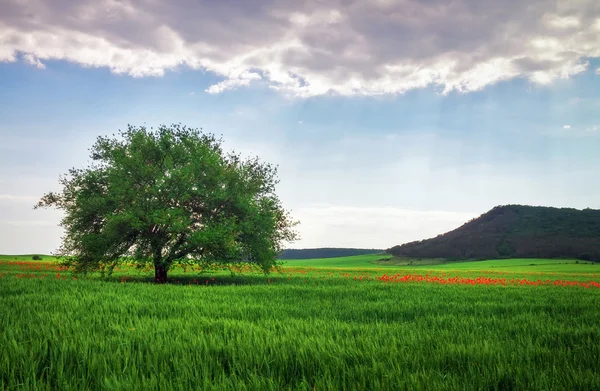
x: 338, y: 324
x: 353, y: 261
x: 380, y: 261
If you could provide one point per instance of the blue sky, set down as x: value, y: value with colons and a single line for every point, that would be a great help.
x: 374, y: 148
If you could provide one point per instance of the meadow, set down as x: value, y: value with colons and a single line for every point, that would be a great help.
x: 334, y: 324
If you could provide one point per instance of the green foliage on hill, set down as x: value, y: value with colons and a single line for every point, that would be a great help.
x: 315, y: 253
x: 516, y: 231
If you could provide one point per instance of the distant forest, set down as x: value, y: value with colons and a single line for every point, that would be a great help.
x: 311, y: 253
x: 516, y: 231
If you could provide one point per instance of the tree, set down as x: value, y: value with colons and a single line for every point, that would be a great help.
x: 167, y: 196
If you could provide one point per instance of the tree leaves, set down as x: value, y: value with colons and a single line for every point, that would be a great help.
x: 170, y: 195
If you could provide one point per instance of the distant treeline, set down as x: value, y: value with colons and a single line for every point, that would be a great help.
x: 310, y: 253
x: 516, y: 231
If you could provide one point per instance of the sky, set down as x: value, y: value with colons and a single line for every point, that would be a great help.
x: 390, y: 121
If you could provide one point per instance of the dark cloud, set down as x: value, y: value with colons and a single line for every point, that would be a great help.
x: 348, y: 47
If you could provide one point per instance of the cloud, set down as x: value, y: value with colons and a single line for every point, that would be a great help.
x: 32, y: 60
x: 18, y: 198
x: 576, y: 132
x: 310, y: 47
x: 380, y: 227
x: 576, y: 100
x: 28, y: 223
x: 28, y: 237
x: 593, y: 129
x: 234, y: 81
x: 597, y: 71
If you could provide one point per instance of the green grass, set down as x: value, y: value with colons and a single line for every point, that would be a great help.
x: 386, y: 262
x: 526, y: 265
x: 308, y: 328
x: 26, y: 257
x: 354, y: 261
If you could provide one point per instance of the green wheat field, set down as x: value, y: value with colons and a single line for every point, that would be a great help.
x: 354, y: 323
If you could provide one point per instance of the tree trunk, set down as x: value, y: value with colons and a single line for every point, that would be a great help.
x: 160, y: 266
x: 160, y: 272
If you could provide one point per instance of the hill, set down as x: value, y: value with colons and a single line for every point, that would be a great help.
x: 515, y: 231
x: 312, y: 253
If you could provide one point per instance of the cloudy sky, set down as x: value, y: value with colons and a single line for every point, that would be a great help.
x: 390, y: 120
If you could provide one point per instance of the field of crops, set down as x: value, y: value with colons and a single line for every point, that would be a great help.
x: 339, y: 324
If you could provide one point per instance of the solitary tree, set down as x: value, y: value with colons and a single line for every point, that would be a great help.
x: 169, y: 196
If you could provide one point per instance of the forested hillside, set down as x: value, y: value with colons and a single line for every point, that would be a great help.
x: 310, y: 253
x: 516, y: 231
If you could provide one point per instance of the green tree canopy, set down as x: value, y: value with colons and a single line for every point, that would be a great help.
x: 167, y: 196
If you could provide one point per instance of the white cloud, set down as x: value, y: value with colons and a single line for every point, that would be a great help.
x: 597, y: 71
x: 577, y: 132
x: 28, y: 223
x: 18, y: 198
x: 576, y: 100
x: 562, y: 22
x: 234, y: 81
x: 374, y: 227
x: 32, y: 60
x: 24, y: 230
x: 310, y: 47
x: 34, y: 237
